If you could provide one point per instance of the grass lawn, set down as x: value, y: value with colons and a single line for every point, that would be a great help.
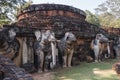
x: 88, y: 71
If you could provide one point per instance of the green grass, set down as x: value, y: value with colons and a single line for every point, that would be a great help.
x: 88, y: 71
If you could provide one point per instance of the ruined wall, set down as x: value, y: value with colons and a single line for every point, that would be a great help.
x: 41, y: 14
x: 60, y: 19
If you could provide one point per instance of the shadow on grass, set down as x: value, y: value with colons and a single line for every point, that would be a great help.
x: 88, y: 71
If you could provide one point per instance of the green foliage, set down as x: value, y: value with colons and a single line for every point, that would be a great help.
x: 4, y: 20
x: 109, y: 13
x: 92, y: 18
x: 105, y: 19
x: 9, y: 8
x: 26, y: 4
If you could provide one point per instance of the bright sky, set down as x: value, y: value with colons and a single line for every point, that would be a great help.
x: 81, y: 4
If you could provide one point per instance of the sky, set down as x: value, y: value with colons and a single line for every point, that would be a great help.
x: 81, y: 4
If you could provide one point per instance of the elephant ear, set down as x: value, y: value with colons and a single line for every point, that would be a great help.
x: 37, y: 34
x: 11, y: 33
x: 66, y: 35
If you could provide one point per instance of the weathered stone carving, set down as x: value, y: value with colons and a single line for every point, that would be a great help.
x: 59, y: 19
x: 11, y: 72
x: 10, y: 43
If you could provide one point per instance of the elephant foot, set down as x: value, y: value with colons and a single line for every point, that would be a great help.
x: 96, y: 60
x: 106, y: 56
x: 40, y: 71
x: 52, y: 66
x: 64, y: 66
x: 100, y: 61
x: 46, y: 70
x: 70, y: 66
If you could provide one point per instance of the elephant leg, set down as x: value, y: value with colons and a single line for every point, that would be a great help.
x: 53, y: 54
x: 24, y: 52
x: 30, y: 55
x: 65, y: 61
x: 70, y: 58
x: 118, y: 52
x: 96, y: 52
x: 41, y: 56
x: 100, y: 57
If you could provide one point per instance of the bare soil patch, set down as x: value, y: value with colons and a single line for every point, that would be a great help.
x: 43, y: 76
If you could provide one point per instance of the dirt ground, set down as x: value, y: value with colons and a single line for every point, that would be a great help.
x: 43, y: 76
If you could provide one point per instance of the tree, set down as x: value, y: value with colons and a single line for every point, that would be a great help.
x: 92, y: 18
x: 105, y: 19
x: 110, y: 6
x: 9, y: 8
x: 109, y: 13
